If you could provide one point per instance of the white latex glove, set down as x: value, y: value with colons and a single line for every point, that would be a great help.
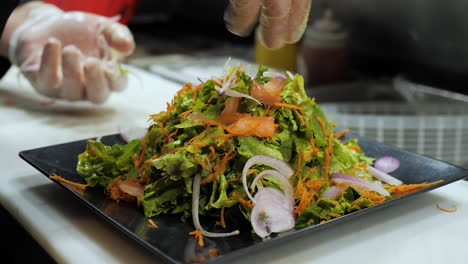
x: 70, y: 55
x: 280, y: 22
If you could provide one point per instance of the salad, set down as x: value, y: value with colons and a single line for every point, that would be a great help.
x: 255, y: 145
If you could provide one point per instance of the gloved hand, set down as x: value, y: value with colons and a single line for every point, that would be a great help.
x: 281, y: 21
x: 70, y: 55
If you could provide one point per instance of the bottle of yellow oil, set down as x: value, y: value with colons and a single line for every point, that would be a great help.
x: 284, y: 58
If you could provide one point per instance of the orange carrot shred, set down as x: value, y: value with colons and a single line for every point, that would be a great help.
x: 186, y: 113
x: 290, y: 106
x: 152, y: 223
x: 242, y: 201
x: 221, y: 221
x: 334, y: 214
x: 304, y: 202
x: 198, y: 234
x: 454, y: 208
x: 342, y: 133
x: 61, y: 179
x: 354, y: 147
x: 322, y: 125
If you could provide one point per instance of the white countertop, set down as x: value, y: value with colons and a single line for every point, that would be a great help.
x: 414, y: 231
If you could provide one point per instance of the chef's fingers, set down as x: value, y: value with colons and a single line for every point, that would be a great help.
x: 96, y: 88
x: 119, y: 38
x: 72, y: 68
x: 50, y: 75
x: 274, y: 22
x: 297, y: 22
x: 241, y: 16
x: 115, y: 76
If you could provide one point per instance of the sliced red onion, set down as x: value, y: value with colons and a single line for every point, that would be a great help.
x: 229, y: 83
x: 275, y: 75
x: 277, y: 164
x: 232, y: 93
x: 288, y: 189
x: 331, y: 193
x: 383, y: 176
x: 268, y: 217
x: 131, y: 133
x: 290, y: 75
x: 276, y: 196
x: 387, y: 164
x: 195, y: 205
x: 342, y: 178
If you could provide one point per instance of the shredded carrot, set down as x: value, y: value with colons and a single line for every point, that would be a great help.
x: 334, y: 214
x: 217, y: 83
x: 300, y: 188
x: 158, y: 114
x: 204, y: 165
x: 61, y: 179
x: 304, y: 202
x: 342, y: 133
x: 315, y: 184
x: 170, y: 106
x: 373, y: 196
x: 235, y: 179
x: 454, y: 206
x: 310, y: 172
x: 313, y: 148
x: 221, y: 221
x: 219, y: 167
x: 211, y: 99
x: 198, y: 234
x: 152, y: 223
x: 213, y: 252
x: 242, y: 201
x: 186, y: 113
x: 169, y: 137
x: 400, y: 190
x: 225, y: 137
x: 150, y: 160
x: 270, y: 110
x: 301, y: 118
x: 198, y: 87
x: 328, y: 200
x: 290, y: 106
x: 322, y: 125
x: 354, y: 147
x: 299, y: 165
x: 163, y: 129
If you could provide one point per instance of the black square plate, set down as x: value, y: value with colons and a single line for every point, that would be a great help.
x: 171, y: 241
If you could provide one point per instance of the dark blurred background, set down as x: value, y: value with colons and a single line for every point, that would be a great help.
x: 424, y: 39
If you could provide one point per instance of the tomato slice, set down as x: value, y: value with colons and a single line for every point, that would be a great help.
x: 228, y: 119
x: 268, y: 93
x: 253, y: 126
x: 231, y: 105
